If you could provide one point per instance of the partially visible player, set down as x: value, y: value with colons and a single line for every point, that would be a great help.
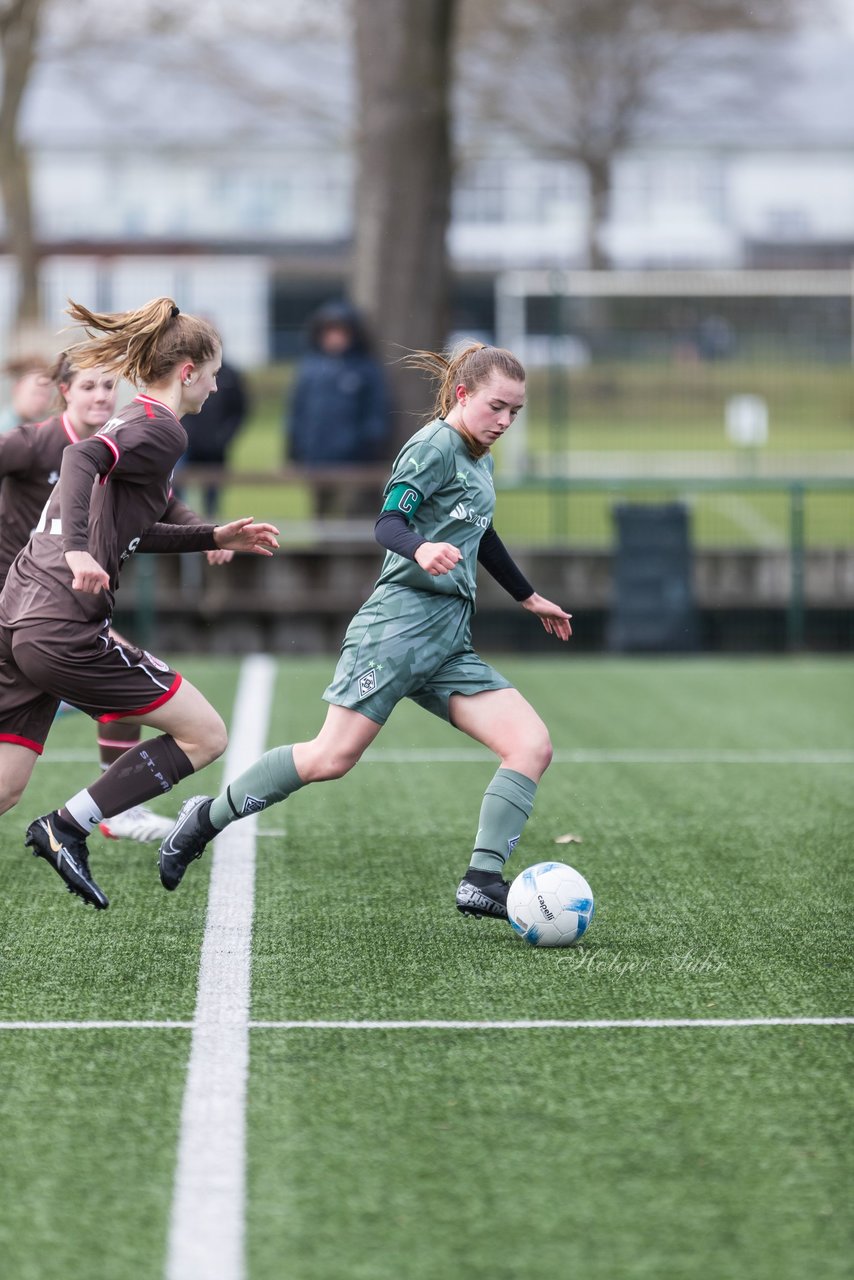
x: 412, y: 638
x: 30, y: 458
x: 31, y: 395
x: 55, y: 643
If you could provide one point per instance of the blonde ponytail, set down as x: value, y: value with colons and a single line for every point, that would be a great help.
x: 143, y: 345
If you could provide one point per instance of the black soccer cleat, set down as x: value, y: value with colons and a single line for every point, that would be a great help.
x: 69, y: 857
x: 186, y: 841
x: 489, y: 899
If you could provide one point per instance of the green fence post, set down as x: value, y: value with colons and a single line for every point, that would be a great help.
x: 558, y: 407
x: 143, y: 621
x: 795, y: 619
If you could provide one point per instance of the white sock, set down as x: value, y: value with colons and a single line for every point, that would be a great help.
x: 84, y: 811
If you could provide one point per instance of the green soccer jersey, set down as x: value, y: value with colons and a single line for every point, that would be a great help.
x: 447, y: 496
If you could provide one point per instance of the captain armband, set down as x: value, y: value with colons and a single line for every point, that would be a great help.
x: 403, y: 499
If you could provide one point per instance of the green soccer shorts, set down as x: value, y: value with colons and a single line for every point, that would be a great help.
x: 413, y: 644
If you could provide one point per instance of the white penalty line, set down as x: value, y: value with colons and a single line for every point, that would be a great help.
x: 432, y: 1024
x: 537, y: 1024
x: 206, y: 1232
x: 628, y: 755
x: 579, y: 755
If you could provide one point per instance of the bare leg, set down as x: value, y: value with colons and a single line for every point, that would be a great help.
x: 193, y: 735
x: 16, y: 768
x: 502, y: 720
x: 343, y: 739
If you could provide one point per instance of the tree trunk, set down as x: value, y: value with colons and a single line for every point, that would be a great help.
x: 400, y: 270
x: 19, y: 22
x: 15, y: 188
x: 599, y: 179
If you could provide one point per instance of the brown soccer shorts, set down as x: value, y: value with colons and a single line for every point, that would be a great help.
x: 52, y: 662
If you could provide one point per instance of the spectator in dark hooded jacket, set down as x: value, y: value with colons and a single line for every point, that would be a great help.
x: 338, y: 414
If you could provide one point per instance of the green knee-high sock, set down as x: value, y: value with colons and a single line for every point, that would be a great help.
x: 507, y: 804
x: 272, y: 778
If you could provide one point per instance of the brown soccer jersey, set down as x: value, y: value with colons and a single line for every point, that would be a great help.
x: 130, y: 462
x: 30, y: 458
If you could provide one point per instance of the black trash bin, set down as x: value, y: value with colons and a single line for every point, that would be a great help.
x: 653, y: 607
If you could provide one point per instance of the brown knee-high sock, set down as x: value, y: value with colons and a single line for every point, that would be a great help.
x: 147, y: 770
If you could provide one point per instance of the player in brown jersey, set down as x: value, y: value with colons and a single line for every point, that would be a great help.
x: 31, y: 393
x: 55, y: 641
x: 30, y: 458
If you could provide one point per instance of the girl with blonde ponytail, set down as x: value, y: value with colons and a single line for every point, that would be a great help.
x: 114, y: 498
x: 412, y: 638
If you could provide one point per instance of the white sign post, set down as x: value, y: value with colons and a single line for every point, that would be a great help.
x: 747, y: 422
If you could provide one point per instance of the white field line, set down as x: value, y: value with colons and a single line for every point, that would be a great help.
x: 575, y: 755
x: 746, y: 518
x: 206, y: 1234
x: 536, y: 1024
x: 94, y: 1024
x: 428, y: 1024
x: 628, y: 755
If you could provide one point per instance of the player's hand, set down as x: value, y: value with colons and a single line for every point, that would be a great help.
x: 245, y: 535
x: 437, y: 558
x: 553, y: 618
x: 87, y: 573
x: 220, y: 556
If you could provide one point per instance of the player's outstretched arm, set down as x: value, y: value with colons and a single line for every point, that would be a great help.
x: 553, y: 618
x: 245, y: 535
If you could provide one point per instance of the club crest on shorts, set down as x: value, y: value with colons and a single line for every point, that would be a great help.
x: 157, y: 663
x: 367, y: 683
x: 251, y: 805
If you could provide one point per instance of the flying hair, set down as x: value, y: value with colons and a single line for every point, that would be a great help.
x: 145, y: 345
x: 469, y: 366
x: 62, y: 373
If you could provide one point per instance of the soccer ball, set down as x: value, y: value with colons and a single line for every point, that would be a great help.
x: 550, y: 905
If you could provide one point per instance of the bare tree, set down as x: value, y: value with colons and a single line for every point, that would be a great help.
x: 403, y: 152
x: 231, y: 58
x: 19, y: 27
x: 576, y: 79
x: 260, y: 64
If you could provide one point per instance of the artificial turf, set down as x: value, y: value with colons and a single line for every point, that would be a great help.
x: 721, y: 892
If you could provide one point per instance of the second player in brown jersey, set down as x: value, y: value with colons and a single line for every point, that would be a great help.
x: 111, y: 502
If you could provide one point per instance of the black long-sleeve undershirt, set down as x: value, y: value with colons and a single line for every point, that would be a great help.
x: 393, y: 532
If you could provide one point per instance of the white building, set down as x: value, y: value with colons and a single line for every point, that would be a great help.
x: 251, y: 225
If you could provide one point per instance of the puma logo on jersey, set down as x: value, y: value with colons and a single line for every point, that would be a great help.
x: 415, y: 464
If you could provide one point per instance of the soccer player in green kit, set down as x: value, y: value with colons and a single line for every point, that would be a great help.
x: 412, y: 636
